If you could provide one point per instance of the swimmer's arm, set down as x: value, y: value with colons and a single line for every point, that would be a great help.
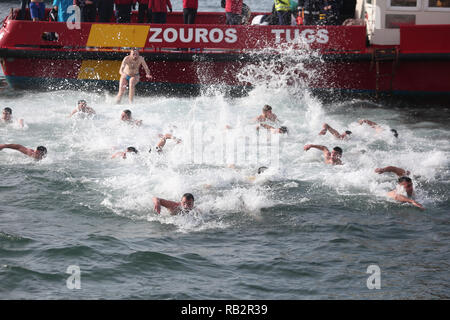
x: 370, y: 123
x: 122, y: 66
x: 145, y: 66
x: 398, y: 171
x: 400, y: 198
x: 91, y: 111
x: 117, y: 154
x: 325, y: 150
x: 18, y: 147
x: 20, y: 122
x: 334, y: 132
x: 170, y: 205
x: 73, y: 112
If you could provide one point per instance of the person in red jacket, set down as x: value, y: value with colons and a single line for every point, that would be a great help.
x: 159, y: 10
x: 189, y: 11
x: 233, y: 10
x: 124, y: 10
x: 144, y: 13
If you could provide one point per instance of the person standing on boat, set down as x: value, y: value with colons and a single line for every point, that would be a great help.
x: 37, y: 10
x: 88, y: 9
x: 311, y: 10
x: 129, y: 71
x: 190, y: 8
x: 23, y: 8
x: 123, y: 8
x: 61, y: 7
x: 144, y: 13
x: 233, y: 11
x: 105, y: 10
x: 159, y: 10
x: 332, y: 10
x: 283, y: 9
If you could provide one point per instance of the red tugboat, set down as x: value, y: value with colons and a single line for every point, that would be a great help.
x: 402, y: 47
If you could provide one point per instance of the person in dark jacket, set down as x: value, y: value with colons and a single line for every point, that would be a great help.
x: 88, y: 9
x: 159, y: 10
x: 347, y: 10
x: 332, y: 10
x: 144, y: 13
x: 123, y: 8
x: 23, y: 9
x: 105, y: 10
x: 190, y: 8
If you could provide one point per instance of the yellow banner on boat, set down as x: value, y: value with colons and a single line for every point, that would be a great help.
x: 99, y: 70
x: 114, y: 35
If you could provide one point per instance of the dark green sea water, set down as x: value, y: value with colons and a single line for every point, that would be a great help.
x: 302, y: 230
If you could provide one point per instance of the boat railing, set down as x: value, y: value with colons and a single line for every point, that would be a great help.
x: 181, y: 38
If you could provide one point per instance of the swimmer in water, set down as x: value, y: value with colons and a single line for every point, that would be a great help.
x: 267, y: 115
x: 326, y: 127
x: 129, y: 72
x: 83, y: 108
x: 377, y: 127
x: 37, y: 154
x: 185, y: 205
x: 333, y: 157
x: 272, y: 129
x: 164, y: 139
x: 126, y: 117
x: 7, y: 116
x: 124, y: 154
x: 404, y: 184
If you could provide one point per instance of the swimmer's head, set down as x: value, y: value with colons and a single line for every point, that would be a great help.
x: 6, y: 114
x: 134, y: 53
x: 267, y: 110
x: 336, y: 153
x: 82, y: 102
x: 126, y: 115
x: 132, y: 149
x: 262, y: 169
x: 394, y: 132
x: 283, y: 129
x: 407, y: 184
x: 41, y: 151
x: 187, y: 201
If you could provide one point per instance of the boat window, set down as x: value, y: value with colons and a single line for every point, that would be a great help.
x: 393, y: 21
x: 439, y: 3
x: 403, y: 3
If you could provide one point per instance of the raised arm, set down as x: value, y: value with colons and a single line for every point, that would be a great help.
x: 325, y: 150
x: 18, y: 147
x: 334, y: 132
x: 398, y: 171
x: 20, y: 122
x: 370, y: 123
x: 170, y: 205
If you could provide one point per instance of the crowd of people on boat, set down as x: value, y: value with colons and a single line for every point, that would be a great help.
x: 284, y: 12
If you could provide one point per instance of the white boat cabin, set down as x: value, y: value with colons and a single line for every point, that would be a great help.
x: 383, y: 17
